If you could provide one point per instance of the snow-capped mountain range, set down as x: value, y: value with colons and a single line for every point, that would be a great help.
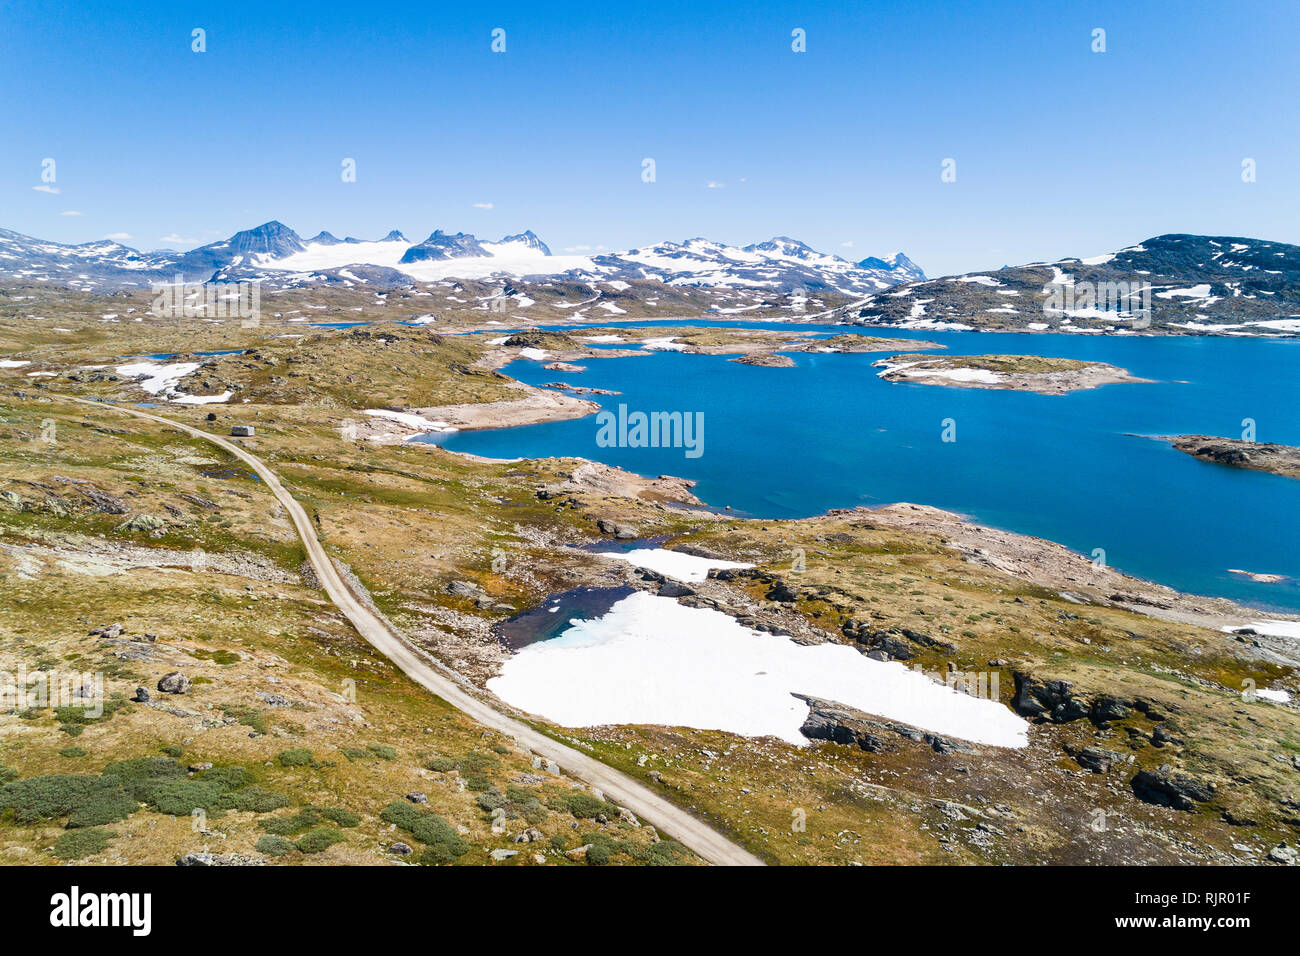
x: 277, y: 256
x: 1180, y: 283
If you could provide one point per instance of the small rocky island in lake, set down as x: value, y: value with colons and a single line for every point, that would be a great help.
x: 1026, y: 373
x: 1257, y: 456
x: 767, y: 359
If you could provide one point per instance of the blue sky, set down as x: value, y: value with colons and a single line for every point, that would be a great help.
x: 1059, y: 151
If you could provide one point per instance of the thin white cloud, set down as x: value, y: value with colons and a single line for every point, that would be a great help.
x: 70, y: 212
x: 118, y: 236
x: 46, y: 188
x: 714, y: 184
x: 483, y: 205
x: 178, y: 240
x: 847, y: 245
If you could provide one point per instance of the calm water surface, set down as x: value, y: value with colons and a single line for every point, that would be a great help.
x: 794, y: 442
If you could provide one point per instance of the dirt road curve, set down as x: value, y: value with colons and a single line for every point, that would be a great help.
x: 616, y: 786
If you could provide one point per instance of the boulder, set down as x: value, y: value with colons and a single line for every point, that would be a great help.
x: 141, y: 695
x: 174, y: 683
x: 143, y: 523
x: 1286, y: 855
x: 401, y: 849
x: 1096, y: 759
x: 782, y: 593
x: 622, y: 532
x: 1161, y: 736
x: 675, y: 589
x: 466, y: 589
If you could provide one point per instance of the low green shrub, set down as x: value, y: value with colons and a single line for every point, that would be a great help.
x: 179, y: 797
x: 254, y: 799
x: 663, y: 853
x: 103, y: 806
x: 320, y: 839
x: 297, y: 757
x: 79, y: 844
x: 340, y: 817
x: 274, y: 845
x: 292, y: 824
x: 584, y: 806
x: 51, y: 796
x: 443, y: 843
x: 227, y: 778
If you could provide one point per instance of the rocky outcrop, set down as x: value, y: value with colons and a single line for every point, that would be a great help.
x: 834, y: 722
x: 220, y: 859
x: 665, y: 586
x: 143, y: 523
x: 1057, y: 702
x: 895, y: 643
x: 1257, y: 456
x: 765, y: 359
x: 1168, y: 788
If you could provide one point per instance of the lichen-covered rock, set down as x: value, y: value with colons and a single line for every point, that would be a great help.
x: 142, y: 523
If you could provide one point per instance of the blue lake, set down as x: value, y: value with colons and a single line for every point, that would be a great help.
x: 793, y: 442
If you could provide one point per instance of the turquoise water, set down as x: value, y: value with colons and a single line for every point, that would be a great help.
x: 827, y: 434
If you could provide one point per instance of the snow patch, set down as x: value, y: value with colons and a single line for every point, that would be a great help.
x: 650, y: 660
x: 674, y: 564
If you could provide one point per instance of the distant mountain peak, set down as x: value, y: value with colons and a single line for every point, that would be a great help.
x: 272, y: 238
x: 527, y: 238
x: 781, y: 244
x: 907, y: 270
x: 443, y: 245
